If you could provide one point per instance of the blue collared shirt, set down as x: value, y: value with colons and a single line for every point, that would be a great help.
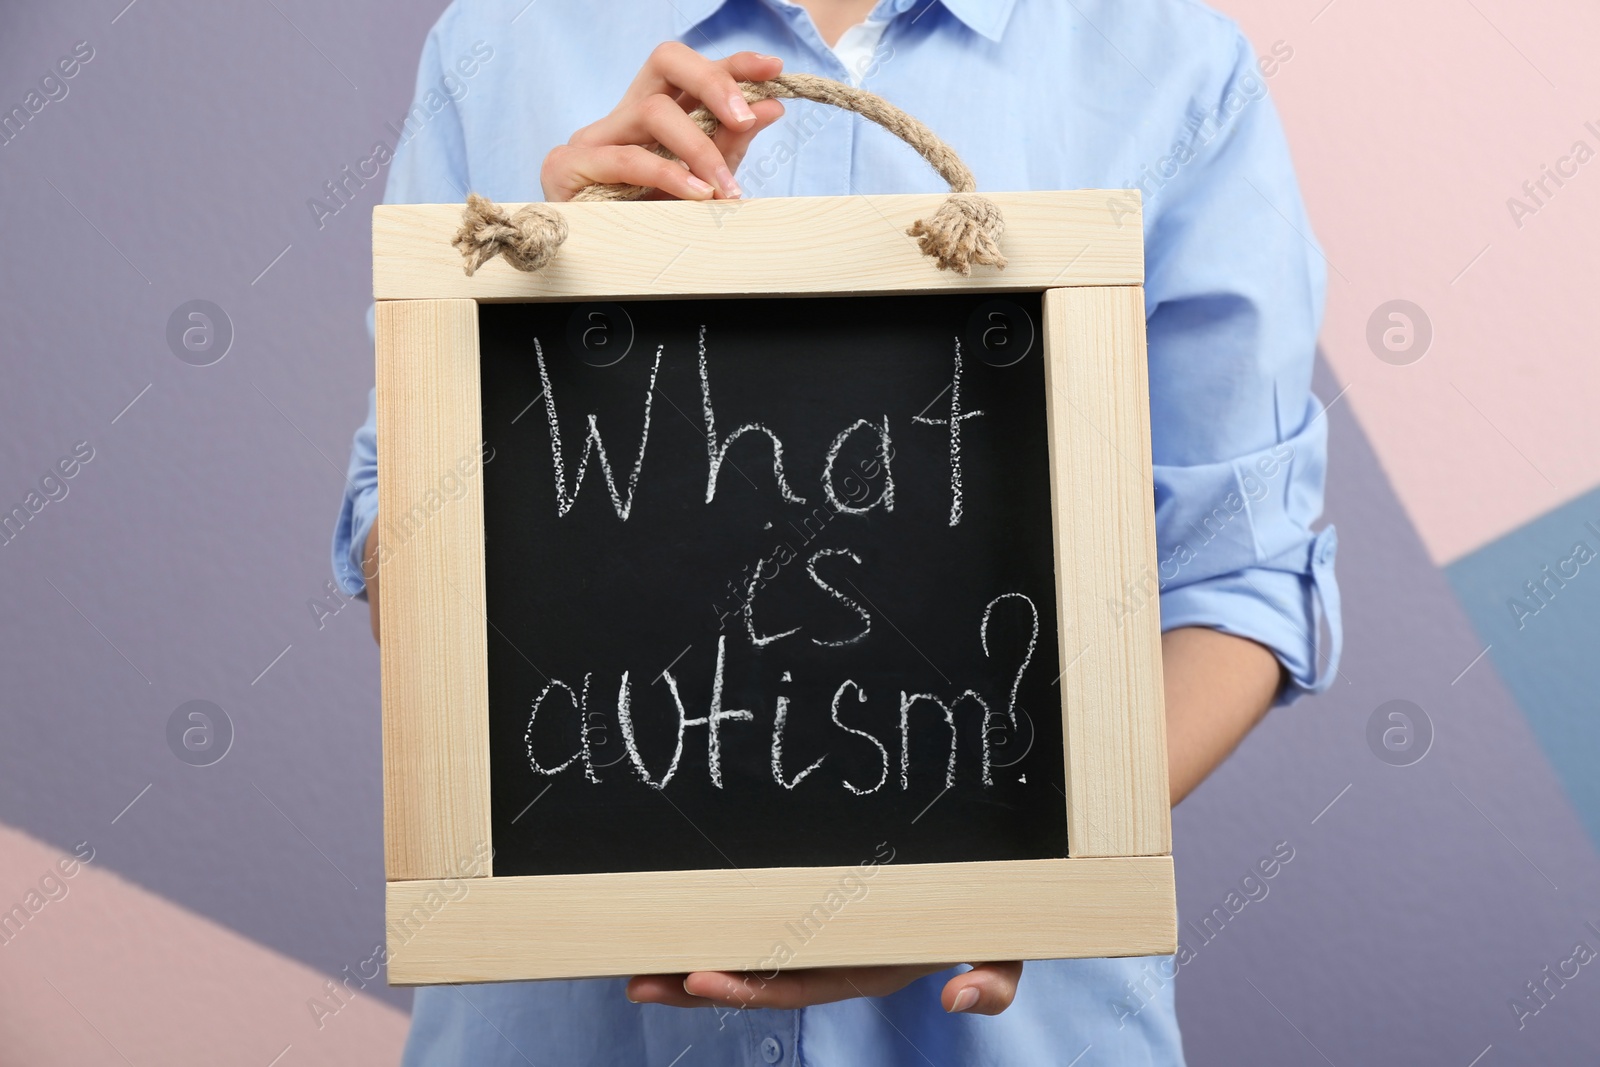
x: 1165, y: 96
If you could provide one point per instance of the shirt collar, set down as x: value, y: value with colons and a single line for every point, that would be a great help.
x: 987, y: 18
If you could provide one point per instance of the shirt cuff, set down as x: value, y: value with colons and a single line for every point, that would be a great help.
x: 1289, y: 605
x: 356, y: 517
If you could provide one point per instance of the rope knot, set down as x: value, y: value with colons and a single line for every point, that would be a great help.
x: 528, y: 240
x: 965, y: 230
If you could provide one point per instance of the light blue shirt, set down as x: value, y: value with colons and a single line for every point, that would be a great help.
x: 1162, y: 95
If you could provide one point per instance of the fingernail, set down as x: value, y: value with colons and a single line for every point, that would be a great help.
x: 730, y: 188
x: 698, y: 186
x: 630, y: 998
x: 741, y: 110
x: 965, y: 999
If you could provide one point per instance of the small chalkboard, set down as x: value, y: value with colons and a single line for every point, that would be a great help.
x: 756, y: 595
x: 772, y: 583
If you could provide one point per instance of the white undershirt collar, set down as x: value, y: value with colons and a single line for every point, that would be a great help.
x: 856, y: 47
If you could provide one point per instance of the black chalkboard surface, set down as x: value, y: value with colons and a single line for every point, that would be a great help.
x: 774, y: 555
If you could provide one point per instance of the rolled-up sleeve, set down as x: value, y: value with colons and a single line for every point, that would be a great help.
x: 429, y: 166
x: 1234, y: 289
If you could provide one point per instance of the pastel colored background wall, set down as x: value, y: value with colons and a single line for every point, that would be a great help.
x: 1423, y: 894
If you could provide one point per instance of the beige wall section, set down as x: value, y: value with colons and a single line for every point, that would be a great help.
x: 435, y: 694
x: 111, y: 973
x: 1111, y: 683
x: 842, y: 244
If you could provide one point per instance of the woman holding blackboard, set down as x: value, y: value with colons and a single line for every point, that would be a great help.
x: 1165, y: 96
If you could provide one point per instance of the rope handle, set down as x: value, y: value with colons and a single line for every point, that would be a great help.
x: 964, y: 231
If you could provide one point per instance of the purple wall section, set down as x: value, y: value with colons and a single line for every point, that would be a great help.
x: 180, y: 563
x: 189, y: 546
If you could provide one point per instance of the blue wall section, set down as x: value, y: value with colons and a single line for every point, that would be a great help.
x: 1548, y: 649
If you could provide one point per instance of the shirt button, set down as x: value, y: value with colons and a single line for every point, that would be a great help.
x: 771, y: 1051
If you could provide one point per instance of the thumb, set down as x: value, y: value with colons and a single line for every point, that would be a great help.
x: 987, y: 989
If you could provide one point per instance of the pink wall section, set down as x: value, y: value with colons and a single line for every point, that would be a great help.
x: 1412, y: 124
x: 107, y: 972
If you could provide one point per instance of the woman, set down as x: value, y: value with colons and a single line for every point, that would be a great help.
x: 1164, y: 96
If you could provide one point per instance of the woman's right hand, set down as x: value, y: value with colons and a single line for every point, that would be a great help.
x: 655, y: 110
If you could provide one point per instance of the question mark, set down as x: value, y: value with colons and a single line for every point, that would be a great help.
x: 1033, y: 641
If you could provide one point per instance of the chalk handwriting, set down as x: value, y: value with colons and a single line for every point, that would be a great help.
x: 954, y: 421
x: 717, y: 451
x: 1033, y: 642
x: 855, y: 496
x: 593, y: 445
x: 885, y: 453
x: 779, y: 719
x: 866, y: 620
x: 883, y: 753
x: 716, y: 715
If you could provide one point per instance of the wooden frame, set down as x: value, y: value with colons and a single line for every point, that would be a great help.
x: 450, y: 920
